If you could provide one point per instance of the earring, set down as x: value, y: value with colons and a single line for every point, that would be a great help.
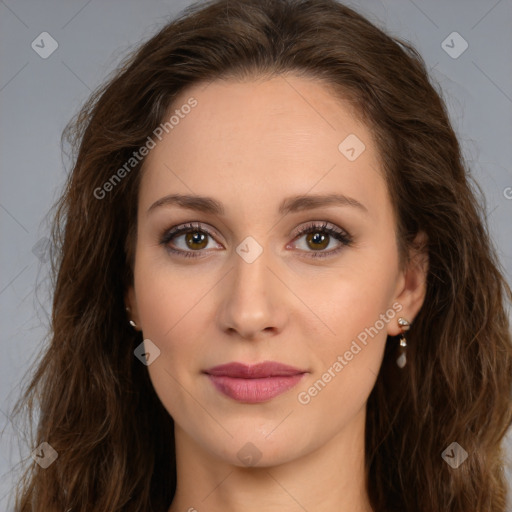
x: 132, y: 323
x: 402, y: 358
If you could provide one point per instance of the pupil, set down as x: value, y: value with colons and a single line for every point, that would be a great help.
x: 196, y: 238
x: 318, y: 239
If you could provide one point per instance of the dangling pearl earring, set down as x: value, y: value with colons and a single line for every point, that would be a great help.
x: 402, y: 358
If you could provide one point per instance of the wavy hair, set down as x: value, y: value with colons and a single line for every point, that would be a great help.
x: 97, y: 407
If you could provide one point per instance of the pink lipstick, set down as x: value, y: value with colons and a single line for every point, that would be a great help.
x: 256, y: 383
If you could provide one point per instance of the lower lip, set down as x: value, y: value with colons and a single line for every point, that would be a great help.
x: 254, y: 391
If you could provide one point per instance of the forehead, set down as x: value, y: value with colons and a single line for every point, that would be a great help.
x: 285, y: 133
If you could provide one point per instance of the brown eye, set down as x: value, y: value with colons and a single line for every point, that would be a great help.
x: 317, y: 240
x: 194, y: 240
x: 319, y: 236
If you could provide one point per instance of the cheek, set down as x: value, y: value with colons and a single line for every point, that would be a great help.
x: 349, y: 354
x: 171, y: 310
x: 355, y: 306
x: 172, y: 306
x: 356, y: 300
x: 357, y: 333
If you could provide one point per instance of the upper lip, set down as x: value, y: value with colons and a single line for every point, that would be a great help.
x: 260, y: 370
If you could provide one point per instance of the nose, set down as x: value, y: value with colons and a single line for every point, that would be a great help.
x: 253, y: 300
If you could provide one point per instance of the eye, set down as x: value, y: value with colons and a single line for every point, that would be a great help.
x: 318, y: 237
x: 195, y: 238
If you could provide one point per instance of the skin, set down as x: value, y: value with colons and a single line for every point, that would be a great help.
x: 250, y: 145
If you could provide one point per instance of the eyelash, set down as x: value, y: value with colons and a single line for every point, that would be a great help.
x: 341, y: 235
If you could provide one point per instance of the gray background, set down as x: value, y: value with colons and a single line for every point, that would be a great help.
x: 38, y: 96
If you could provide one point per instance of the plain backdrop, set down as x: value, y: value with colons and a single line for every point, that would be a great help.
x: 38, y: 96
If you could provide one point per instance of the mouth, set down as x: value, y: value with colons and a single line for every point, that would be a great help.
x: 254, y: 384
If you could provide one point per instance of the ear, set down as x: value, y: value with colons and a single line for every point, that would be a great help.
x: 131, y: 304
x: 412, y: 284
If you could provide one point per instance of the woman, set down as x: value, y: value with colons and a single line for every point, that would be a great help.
x: 275, y: 288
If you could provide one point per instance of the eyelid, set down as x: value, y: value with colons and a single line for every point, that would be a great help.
x: 322, y: 226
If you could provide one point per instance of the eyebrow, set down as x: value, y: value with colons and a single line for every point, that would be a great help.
x: 289, y: 205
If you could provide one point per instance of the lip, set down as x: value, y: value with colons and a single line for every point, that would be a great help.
x: 254, y: 384
x: 255, y: 371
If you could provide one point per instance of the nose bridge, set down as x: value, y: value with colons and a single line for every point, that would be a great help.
x: 250, y: 303
x: 251, y: 276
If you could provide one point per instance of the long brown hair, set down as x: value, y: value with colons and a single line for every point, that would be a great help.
x: 97, y: 406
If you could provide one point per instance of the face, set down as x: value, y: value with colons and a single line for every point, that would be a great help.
x: 258, y: 273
